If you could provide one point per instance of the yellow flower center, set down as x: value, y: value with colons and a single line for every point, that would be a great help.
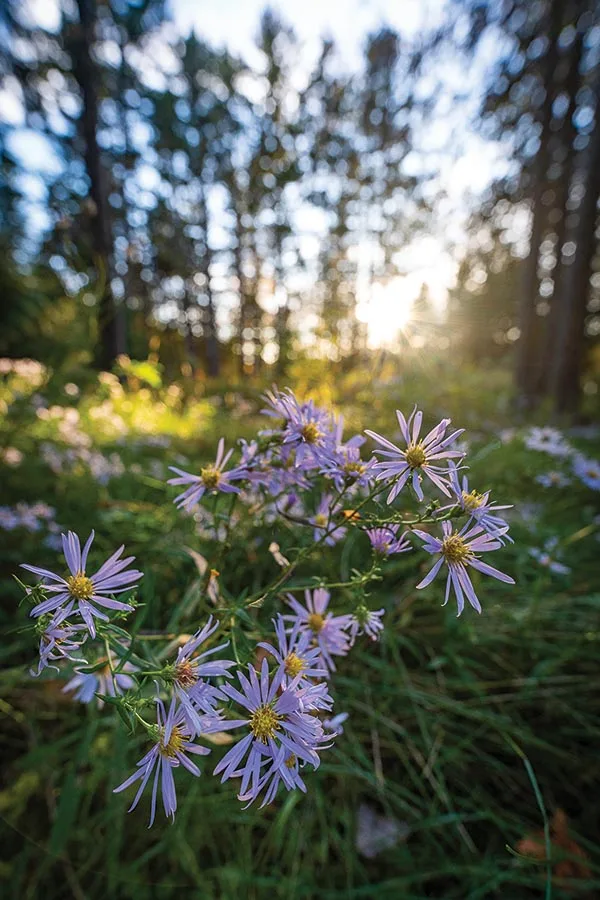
x: 293, y: 665
x: 321, y: 520
x: 472, y: 500
x: 264, y: 722
x: 290, y: 761
x: 80, y: 587
x: 455, y: 549
x: 210, y: 477
x: 415, y: 456
x: 351, y: 515
x: 315, y: 622
x: 311, y: 433
x: 186, y: 674
x: 174, y: 744
x: 354, y: 468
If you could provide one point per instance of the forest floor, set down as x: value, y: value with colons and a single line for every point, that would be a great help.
x: 466, y: 737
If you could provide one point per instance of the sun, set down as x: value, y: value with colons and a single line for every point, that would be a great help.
x: 387, y: 310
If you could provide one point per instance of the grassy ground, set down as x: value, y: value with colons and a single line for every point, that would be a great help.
x: 463, y: 736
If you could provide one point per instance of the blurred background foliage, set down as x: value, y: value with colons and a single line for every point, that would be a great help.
x: 180, y: 225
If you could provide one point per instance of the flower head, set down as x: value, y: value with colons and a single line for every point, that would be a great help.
x: 478, y: 506
x: 547, y: 557
x: 172, y: 744
x: 190, y: 672
x: 307, y: 428
x: 276, y: 726
x: 60, y: 640
x: 385, y: 542
x: 458, y: 550
x: 323, y: 521
x: 327, y: 631
x: 419, y: 458
x: 548, y: 440
x: 366, y: 621
x: 294, y: 652
x: 588, y: 471
x: 103, y: 680
x: 553, y: 479
x: 85, y: 592
x: 212, y: 478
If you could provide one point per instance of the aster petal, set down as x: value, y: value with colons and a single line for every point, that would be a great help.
x: 431, y: 574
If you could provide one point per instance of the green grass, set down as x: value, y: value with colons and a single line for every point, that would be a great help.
x: 468, y: 732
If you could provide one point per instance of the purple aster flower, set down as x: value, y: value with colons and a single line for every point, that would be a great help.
x: 308, y: 429
x: 553, y: 479
x: 87, y: 592
x: 190, y: 672
x: 169, y: 751
x: 59, y: 641
x: 326, y: 630
x: 478, y: 506
x: 102, y: 681
x: 323, y: 521
x: 548, y: 440
x: 314, y: 696
x: 366, y: 621
x: 212, y: 478
x: 588, y: 471
x: 276, y: 725
x: 420, y: 457
x: 343, y: 463
x: 459, y: 550
x: 384, y: 540
x: 546, y: 557
x: 300, y: 661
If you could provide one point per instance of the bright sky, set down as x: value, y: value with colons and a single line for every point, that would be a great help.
x: 465, y: 170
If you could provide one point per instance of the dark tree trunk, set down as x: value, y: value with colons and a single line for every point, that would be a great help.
x: 565, y: 137
x: 111, y: 336
x: 211, y: 340
x: 574, y: 281
x: 528, y: 350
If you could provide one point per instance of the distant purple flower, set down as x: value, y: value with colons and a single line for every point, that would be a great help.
x: 300, y: 661
x: 546, y: 557
x: 328, y: 631
x: 420, y: 457
x: 172, y: 744
x: 276, y: 725
x: 323, y: 522
x: 588, y: 471
x: 366, y: 621
x: 212, y: 478
x: 384, y: 540
x: 87, y: 592
x: 478, y: 506
x: 458, y: 550
x: 87, y: 684
x: 548, y: 440
x: 190, y: 672
x: 553, y: 479
x: 59, y: 641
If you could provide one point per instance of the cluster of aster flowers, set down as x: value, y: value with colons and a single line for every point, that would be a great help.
x: 273, y: 707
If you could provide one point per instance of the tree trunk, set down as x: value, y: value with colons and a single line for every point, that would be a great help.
x: 574, y: 283
x: 111, y: 336
x: 211, y: 340
x: 528, y: 350
x: 565, y: 137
